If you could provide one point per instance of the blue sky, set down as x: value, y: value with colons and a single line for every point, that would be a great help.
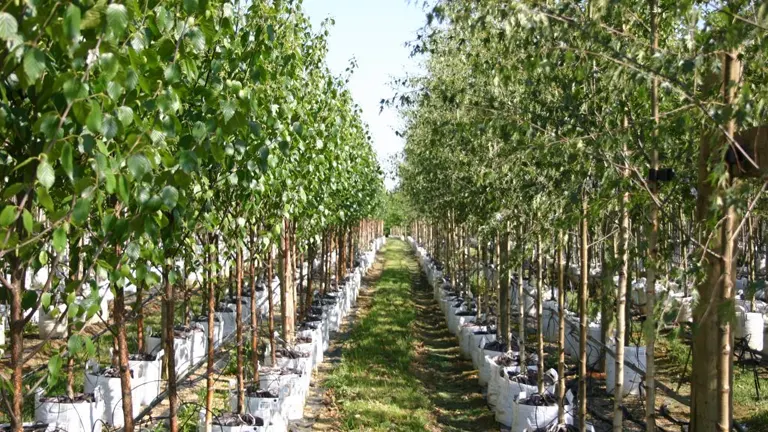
x: 374, y: 32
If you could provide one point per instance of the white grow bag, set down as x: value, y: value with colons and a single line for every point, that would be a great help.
x: 572, y: 342
x: 632, y: 380
x: 50, y: 327
x: 81, y: 416
x: 111, y: 390
x: 292, y: 389
x: 479, y: 341
x: 317, y: 343
x: 550, y: 321
x: 228, y: 319
x: 750, y: 326
x: 267, y: 409
x: 218, y: 428
x: 150, y: 373
x: 218, y: 330
x: 182, y: 348
x: 484, y: 373
x: 465, y: 339
x: 508, y: 393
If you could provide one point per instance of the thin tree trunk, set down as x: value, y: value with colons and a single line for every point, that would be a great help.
x: 539, y: 327
x: 239, y: 330
x: 286, y: 286
x: 504, y: 288
x: 271, y: 301
x: 561, y: 328
x: 521, y: 300
x: 583, y: 317
x: 254, y: 311
x: 621, y: 305
x: 211, y: 326
x: 170, y: 351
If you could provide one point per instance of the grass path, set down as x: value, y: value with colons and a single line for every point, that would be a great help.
x: 400, y: 368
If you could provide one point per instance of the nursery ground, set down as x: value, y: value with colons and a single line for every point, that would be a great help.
x: 400, y: 369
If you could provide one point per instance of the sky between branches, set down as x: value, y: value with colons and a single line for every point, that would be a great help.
x: 374, y: 33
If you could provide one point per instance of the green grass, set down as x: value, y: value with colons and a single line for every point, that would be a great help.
x: 373, y: 384
x: 401, y: 369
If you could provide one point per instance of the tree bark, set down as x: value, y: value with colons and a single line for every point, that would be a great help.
x: 239, y: 330
x: 539, y: 327
x: 621, y: 305
x: 286, y: 286
x: 561, y: 328
x: 170, y: 351
x: 211, y: 326
x: 504, y: 303
x: 583, y: 317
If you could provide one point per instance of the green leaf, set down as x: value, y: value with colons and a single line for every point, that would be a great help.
x: 13, y: 189
x: 45, y: 174
x: 92, y: 18
x: 199, y: 131
x: 109, y: 127
x: 66, y: 160
x: 44, y: 199
x: 54, y: 366
x: 117, y: 18
x: 125, y: 115
x: 190, y: 6
x: 81, y: 210
x: 228, y: 109
x: 74, y: 344
x: 170, y: 196
x: 8, y: 26
x: 139, y: 165
x: 45, y: 300
x: 95, y: 117
x: 75, y: 89
x: 8, y: 215
x: 72, y: 22
x: 29, y: 223
x: 59, y: 239
x: 34, y: 64
x: 172, y: 73
x: 188, y: 161
x: 122, y: 190
x: 29, y: 299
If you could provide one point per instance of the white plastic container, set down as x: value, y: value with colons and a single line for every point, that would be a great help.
x: 750, y: 326
x: 228, y: 319
x: 50, y: 326
x: 150, y: 373
x: 632, y: 380
x: 218, y: 428
x: 290, y: 386
x: 218, y: 330
x: 81, y: 416
x: 268, y: 409
x: 111, y: 390
x: 182, y: 348
x: 199, y: 342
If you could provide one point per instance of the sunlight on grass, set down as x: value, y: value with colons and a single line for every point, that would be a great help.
x: 373, y: 384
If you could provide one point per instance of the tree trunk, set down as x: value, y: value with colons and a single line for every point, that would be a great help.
x: 651, y: 264
x: 286, y: 286
x: 561, y: 328
x: 621, y: 306
x: 271, y: 301
x: 169, y: 349
x: 539, y: 327
x: 254, y: 311
x: 239, y: 330
x: 583, y: 317
x: 211, y: 326
x: 17, y: 342
x: 122, y: 355
x: 503, y: 273
x: 521, y: 300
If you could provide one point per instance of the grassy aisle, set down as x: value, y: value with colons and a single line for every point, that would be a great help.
x: 399, y: 370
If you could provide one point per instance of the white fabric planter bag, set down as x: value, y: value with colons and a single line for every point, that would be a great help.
x: 685, y: 314
x: 218, y: 428
x: 317, y: 343
x: 484, y: 373
x: 750, y: 326
x: 150, y: 373
x: 182, y: 348
x: 292, y: 392
x: 267, y: 409
x: 310, y: 349
x: 632, y: 380
x: 508, y: 393
x: 479, y: 341
x: 572, y: 342
x: 530, y: 417
x: 199, y: 342
x: 228, y: 319
x: 465, y: 339
x: 111, y: 390
x: 550, y: 321
x: 460, y: 320
x: 218, y: 331
x: 48, y: 326
x: 245, y: 311
x: 2, y: 330
x: 31, y: 427
x: 498, y: 375
x: 81, y: 416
